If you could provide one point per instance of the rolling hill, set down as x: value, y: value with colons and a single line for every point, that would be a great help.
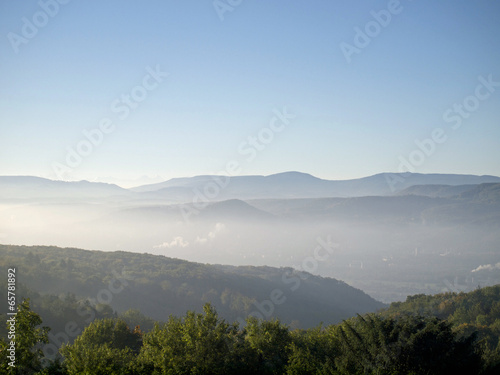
x: 159, y: 286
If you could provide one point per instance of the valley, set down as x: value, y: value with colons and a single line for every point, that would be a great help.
x: 424, y: 238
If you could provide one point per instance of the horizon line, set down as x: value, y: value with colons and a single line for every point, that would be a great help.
x: 249, y: 175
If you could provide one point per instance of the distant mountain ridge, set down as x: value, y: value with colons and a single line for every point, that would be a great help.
x: 302, y: 185
x: 285, y: 185
x: 274, y: 220
x: 29, y: 187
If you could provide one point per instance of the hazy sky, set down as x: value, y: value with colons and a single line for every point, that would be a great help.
x: 178, y: 87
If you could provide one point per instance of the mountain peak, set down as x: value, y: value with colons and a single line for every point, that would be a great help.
x: 292, y: 175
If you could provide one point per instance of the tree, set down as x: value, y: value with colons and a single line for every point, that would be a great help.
x: 312, y: 352
x: 28, y: 337
x: 271, y: 341
x: 106, y: 346
x: 199, y: 344
x: 134, y: 317
x: 407, y: 345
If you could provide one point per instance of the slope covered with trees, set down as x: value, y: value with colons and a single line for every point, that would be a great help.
x: 203, y: 343
x: 75, y: 283
x: 67, y: 333
x: 477, y: 311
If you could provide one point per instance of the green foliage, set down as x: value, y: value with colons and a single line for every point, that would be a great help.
x: 407, y: 345
x: 476, y: 312
x: 206, y: 344
x: 105, y: 347
x: 270, y: 340
x: 203, y: 343
x: 197, y: 344
x: 481, y: 306
x: 134, y: 318
x: 445, y: 333
x: 28, y: 336
x: 312, y: 352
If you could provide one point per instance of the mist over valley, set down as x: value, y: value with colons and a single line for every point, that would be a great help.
x: 433, y: 233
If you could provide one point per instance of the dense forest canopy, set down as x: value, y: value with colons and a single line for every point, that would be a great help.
x: 75, y: 323
x: 395, y: 341
x: 159, y: 286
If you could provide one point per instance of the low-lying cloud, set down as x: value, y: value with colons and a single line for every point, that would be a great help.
x: 176, y: 242
x: 487, y: 267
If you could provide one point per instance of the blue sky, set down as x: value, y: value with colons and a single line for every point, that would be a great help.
x: 227, y: 78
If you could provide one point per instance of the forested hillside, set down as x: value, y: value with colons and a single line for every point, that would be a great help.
x: 91, y: 312
x: 159, y: 286
x: 392, y: 342
x: 476, y: 311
